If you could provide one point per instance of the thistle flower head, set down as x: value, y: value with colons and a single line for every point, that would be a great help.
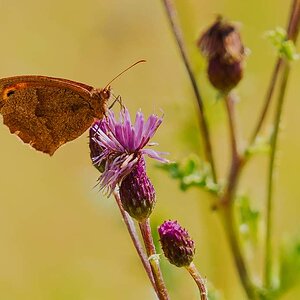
x: 122, y: 144
x: 176, y: 243
x: 137, y: 193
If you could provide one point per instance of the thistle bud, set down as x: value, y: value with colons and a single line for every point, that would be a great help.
x: 137, y: 193
x: 225, y: 52
x: 176, y: 243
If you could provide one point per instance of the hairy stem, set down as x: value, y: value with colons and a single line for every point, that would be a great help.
x: 199, y: 281
x: 172, y: 16
x: 136, y: 242
x: 154, y: 260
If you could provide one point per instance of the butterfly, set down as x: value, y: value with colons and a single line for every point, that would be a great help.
x: 47, y: 112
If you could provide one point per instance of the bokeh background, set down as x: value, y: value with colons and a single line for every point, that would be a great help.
x: 60, y: 238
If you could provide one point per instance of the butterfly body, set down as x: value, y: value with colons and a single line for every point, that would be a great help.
x: 47, y: 112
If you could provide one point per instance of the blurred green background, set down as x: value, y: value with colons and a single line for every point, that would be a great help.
x: 60, y: 238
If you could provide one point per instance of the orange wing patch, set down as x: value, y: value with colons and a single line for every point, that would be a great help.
x: 11, y: 89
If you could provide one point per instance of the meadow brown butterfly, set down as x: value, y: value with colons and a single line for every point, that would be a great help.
x: 47, y: 112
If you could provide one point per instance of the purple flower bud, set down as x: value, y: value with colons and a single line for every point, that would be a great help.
x: 176, y: 243
x: 137, y: 192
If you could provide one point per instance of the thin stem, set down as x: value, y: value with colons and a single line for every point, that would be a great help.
x: 199, y: 281
x: 269, y: 209
x: 267, y: 102
x: 172, y: 16
x: 136, y: 242
x: 227, y: 201
x: 230, y: 107
x: 154, y: 260
x: 232, y: 236
x: 293, y: 30
x: 292, y: 33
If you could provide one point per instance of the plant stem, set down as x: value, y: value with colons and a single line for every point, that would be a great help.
x: 293, y: 30
x: 230, y: 227
x: 292, y: 33
x: 136, y: 242
x: 227, y: 201
x: 230, y: 107
x: 154, y: 260
x: 199, y: 281
x: 268, y: 98
x: 172, y: 17
x: 269, y: 209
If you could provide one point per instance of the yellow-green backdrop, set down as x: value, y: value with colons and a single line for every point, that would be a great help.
x: 60, y: 238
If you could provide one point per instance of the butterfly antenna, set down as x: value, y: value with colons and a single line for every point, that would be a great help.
x: 138, y: 62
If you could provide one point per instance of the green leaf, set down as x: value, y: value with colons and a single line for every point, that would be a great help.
x: 191, y: 172
x: 248, y: 218
x: 286, y: 48
x: 289, y: 265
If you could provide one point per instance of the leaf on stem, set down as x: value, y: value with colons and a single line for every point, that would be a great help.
x: 286, y: 48
x: 192, y: 172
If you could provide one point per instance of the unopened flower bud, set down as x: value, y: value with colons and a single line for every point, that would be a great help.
x: 224, y: 76
x: 137, y: 193
x: 176, y: 243
x: 225, y: 52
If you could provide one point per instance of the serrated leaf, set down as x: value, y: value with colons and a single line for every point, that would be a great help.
x: 190, y: 172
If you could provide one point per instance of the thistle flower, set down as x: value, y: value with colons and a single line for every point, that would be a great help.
x: 176, y: 243
x: 122, y: 145
x: 221, y: 44
x: 137, y: 193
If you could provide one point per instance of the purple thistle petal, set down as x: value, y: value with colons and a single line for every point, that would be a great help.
x: 122, y: 144
x: 155, y: 155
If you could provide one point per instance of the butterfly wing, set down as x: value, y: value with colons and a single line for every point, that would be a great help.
x: 45, y: 112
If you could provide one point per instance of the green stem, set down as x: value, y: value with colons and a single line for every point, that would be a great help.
x: 153, y: 259
x: 269, y: 209
x: 232, y: 236
x: 230, y: 107
x: 199, y: 281
x: 268, y: 99
x: 136, y: 242
x: 292, y: 33
x: 227, y: 202
x: 172, y: 17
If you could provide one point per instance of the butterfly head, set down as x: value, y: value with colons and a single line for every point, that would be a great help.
x: 99, y: 99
